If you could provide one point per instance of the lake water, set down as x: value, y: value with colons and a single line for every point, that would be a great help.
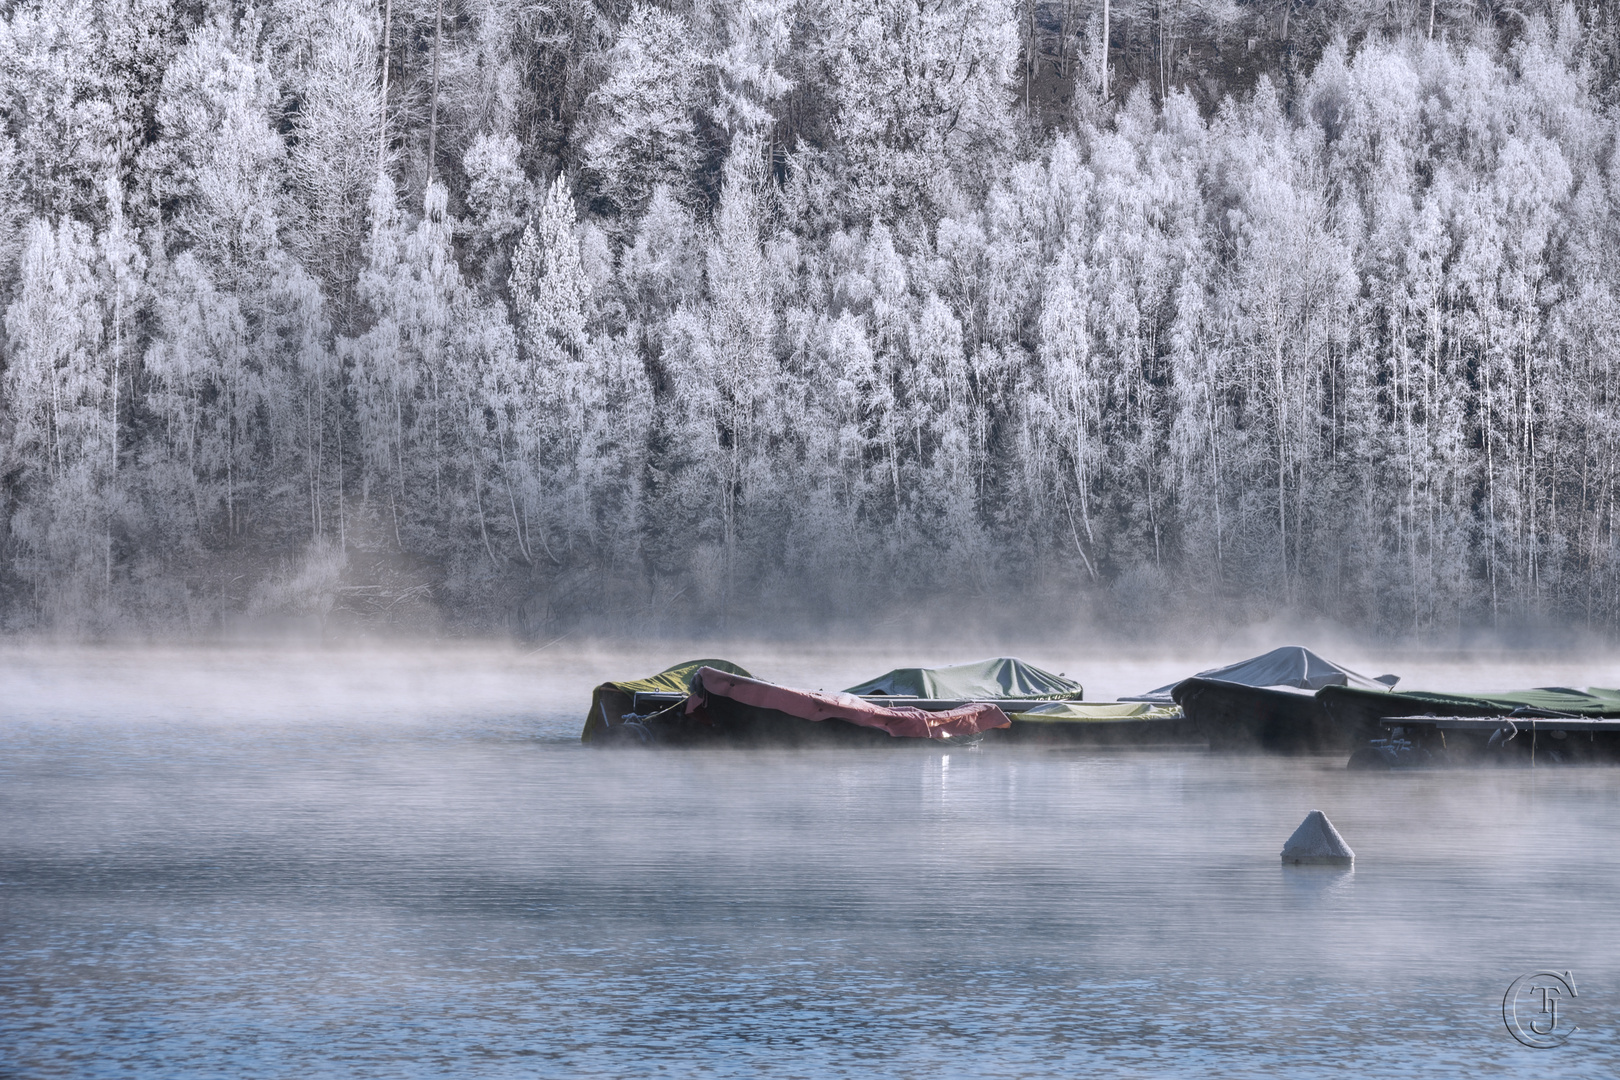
x: 395, y: 864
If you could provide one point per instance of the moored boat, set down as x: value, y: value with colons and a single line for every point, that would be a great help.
x: 738, y: 709
x: 1043, y: 707
x: 638, y: 699
x: 1355, y: 710
x: 727, y: 706
x: 1269, y: 702
x: 1435, y: 741
x: 1432, y: 728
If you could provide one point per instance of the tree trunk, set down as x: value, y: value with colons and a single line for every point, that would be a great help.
x: 1029, y: 59
x: 433, y: 111
x: 388, y: 49
x: 1106, y: 12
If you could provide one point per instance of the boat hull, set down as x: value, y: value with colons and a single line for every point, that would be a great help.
x: 1233, y: 717
x: 1361, y: 713
x: 1435, y: 741
x: 722, y: 722
x: 1130, y: 732
x: 723, y: 707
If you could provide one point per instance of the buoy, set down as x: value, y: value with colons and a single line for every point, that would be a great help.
x: 1317, y: 842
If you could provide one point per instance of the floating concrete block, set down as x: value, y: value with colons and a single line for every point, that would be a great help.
x: 1317, y: 842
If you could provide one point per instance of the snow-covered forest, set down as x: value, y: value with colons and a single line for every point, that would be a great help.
x: 487, y: 313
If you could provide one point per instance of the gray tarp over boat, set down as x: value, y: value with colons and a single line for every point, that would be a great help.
x: 986, y: 680
x: 1290, y: 665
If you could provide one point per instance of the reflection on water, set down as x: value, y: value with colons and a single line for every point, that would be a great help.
x: 418, y: 872
x: 1318, y: 883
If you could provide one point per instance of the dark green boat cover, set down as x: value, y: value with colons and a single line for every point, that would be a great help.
x: 1290, y: 665
x: 987, y: 680
x: 1593, y: 701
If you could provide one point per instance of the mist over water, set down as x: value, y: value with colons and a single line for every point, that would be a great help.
x: 402, y: 863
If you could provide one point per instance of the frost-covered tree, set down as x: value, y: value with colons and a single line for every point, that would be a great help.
x: 334, y: 155
x: 238, y: 336
x: 644, y: 123
x: 59, y: 392
x: 60, y: 104
x: 498, y: 199
x: 916, y: 86
x: 549, y: 410
x: 703, y: 311
x: 550, y: 292
x: 410, y: 285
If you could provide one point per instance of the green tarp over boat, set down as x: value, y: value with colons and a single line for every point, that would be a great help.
x: 1356, y: 705
x: 612, y: 700
x: 986, y: 680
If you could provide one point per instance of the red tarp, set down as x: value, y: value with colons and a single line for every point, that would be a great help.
x: 902, y: 721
